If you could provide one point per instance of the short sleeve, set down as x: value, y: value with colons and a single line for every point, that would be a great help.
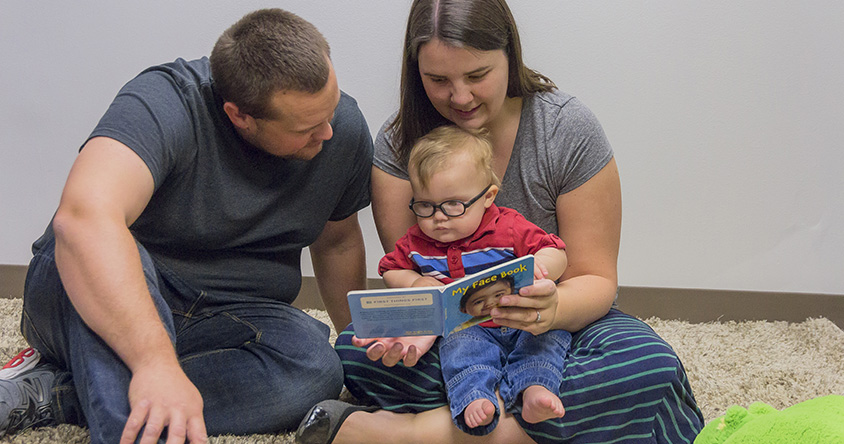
x: 149, y: 115
x: 399, y: 258
x: 385, y: 158
x: 353, y: 133
x: 529, y: 238
x: 560, y: 145
x: 578, y: 144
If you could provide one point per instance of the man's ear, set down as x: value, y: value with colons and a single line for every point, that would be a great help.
x: 489, y: 197
x: 240, y: 119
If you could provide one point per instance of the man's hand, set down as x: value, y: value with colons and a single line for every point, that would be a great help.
x: 163, y: 396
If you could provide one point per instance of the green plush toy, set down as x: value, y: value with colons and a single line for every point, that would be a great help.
x: 816, y: 421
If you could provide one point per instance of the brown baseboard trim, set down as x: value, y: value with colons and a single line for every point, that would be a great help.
x: 692, y: 305
x: 701, y: 305
x: 12, y: 278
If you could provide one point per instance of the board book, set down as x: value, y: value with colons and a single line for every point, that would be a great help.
x: 418, y: 311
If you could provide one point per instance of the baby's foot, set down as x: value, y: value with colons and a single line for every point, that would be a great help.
x: 539, y: 404
x: 478, y: 413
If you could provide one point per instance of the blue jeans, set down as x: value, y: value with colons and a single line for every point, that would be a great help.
x: 258, y: 363
x: 622, y: 383
x: 476, y: 360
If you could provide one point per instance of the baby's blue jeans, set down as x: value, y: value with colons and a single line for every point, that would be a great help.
x: 478, y: 359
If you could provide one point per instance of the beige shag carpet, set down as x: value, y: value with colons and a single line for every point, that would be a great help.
x: 728, y: 363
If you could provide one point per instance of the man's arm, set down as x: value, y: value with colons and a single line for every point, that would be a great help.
x: 339, y: 261
x: 98, y: 260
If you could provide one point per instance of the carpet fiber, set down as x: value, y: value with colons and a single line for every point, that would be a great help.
x: 728, y: 363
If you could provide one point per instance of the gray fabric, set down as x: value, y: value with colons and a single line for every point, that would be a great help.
x: 559, y: 146
x: 226, y: 216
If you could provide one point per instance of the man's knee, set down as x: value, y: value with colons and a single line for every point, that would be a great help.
x: 326, y: 375
x: 45, y: 307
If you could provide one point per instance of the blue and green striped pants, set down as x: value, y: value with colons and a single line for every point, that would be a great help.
x: 622, y: 384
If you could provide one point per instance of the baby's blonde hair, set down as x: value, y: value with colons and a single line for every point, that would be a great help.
x: 433, y: 150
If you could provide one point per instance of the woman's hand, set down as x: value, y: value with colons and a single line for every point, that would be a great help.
x: 407, y: 349
x: 533, y: 309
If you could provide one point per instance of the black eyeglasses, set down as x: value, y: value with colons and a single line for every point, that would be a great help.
x: 451, y: 208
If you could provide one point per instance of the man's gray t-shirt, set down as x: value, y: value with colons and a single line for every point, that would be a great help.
x: 559, y: 146
x: 225, y: 216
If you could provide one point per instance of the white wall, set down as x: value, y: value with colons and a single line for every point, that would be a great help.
x: 726, y: 117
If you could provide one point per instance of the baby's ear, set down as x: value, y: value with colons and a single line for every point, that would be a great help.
x: 489, y: 197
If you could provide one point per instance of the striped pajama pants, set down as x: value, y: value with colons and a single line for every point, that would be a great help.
x: 622, y: 384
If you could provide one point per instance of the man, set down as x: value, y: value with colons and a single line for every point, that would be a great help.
x: 159, y: 295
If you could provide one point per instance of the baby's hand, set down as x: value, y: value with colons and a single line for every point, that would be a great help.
x: 539, y: 271
x: 426, y: 281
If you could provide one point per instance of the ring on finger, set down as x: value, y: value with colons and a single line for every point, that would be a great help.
x: 538, y: 317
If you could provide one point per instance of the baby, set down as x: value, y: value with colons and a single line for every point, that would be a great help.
x: 461, y: 231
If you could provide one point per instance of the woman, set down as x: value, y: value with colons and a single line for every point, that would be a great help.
x: 463, y: 65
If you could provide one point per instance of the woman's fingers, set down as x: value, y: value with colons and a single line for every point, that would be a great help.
x: 531, y: 310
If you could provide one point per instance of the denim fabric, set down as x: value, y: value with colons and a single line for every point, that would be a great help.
x: 259, y: 364
x: 476, y: 360
x: 622, y: 383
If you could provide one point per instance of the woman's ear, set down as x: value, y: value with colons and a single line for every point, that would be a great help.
x: 240, y: 119
x: 489, y: 197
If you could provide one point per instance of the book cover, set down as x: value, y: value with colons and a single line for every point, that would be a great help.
x: 443, y: 310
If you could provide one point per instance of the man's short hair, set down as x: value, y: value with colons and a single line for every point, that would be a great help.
x: 268, y: 50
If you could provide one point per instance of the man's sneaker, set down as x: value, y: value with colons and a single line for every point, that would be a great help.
x: 25, y: 399
x: 24, y: 361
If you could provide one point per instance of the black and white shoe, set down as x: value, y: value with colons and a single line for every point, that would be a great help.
x: 25, y: 393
